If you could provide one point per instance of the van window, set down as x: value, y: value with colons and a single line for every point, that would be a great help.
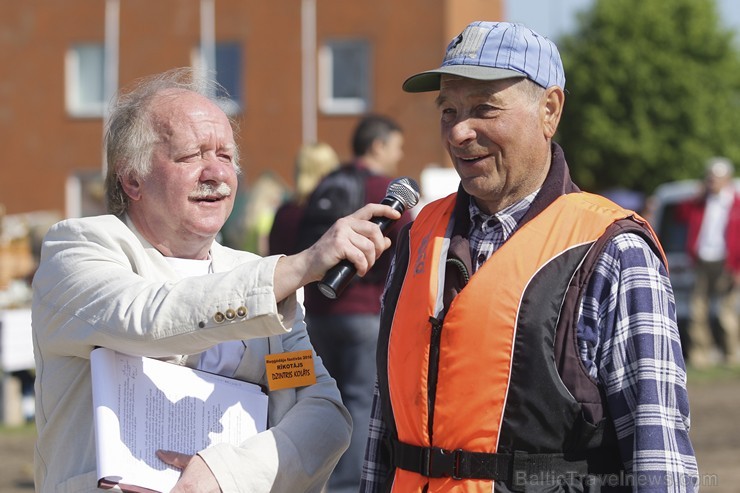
x: 672, y: 231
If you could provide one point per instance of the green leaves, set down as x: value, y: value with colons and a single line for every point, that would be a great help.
x: 653, y: 89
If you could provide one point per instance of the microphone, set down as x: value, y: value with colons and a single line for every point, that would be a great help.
x: 402, y: 194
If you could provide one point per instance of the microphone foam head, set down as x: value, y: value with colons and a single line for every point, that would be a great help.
x: 405, y: 190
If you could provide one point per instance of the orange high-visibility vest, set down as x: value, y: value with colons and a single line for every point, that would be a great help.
x: 479, y: 329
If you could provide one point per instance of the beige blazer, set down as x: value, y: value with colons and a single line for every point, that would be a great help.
x: 99, y: 283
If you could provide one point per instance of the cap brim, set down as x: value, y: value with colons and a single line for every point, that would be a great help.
x: 429, y: 80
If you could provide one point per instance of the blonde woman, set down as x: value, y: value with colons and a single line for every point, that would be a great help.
x: 313, y: 162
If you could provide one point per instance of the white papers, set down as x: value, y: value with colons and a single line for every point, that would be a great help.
x: 143, y: 405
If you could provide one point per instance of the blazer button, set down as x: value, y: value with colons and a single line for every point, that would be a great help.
x: 230, y: 314
x: 219, y: 317
x: 241, y: 311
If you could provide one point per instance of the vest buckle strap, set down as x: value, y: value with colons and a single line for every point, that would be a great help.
x: 435, y: 462
x: 432, y: 462
x: 513, y: 468
x: 439, y: 462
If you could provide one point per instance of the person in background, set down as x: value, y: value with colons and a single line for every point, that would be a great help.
x: 713, y: 243
x: 528, y: 334
x: 148, y: 279
x: 263, y: 198
x: 312, y: 163
x: 344, y: 331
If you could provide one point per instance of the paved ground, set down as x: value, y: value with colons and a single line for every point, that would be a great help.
x: 715, y: 407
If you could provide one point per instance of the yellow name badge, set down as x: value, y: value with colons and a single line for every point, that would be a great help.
x: 289, y: 370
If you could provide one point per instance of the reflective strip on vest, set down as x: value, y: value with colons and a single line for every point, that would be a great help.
x: 478, y: 331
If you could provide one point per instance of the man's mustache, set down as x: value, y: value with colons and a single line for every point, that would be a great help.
x: 207, y: 190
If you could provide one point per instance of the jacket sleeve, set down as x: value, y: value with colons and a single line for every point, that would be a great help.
x: 732, y: 236
x: 299, y: 452
x: 97, y: 285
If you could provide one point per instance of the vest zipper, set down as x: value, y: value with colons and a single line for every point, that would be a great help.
x: 436, y: 336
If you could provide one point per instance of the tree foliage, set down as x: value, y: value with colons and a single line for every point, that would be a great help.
x: 652, y: 91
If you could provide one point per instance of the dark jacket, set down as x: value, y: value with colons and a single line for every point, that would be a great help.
x: 362, y: 296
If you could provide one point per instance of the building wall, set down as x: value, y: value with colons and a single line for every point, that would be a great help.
x: 41, y: 144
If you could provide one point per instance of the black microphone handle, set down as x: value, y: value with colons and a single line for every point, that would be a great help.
x: 338, y: 277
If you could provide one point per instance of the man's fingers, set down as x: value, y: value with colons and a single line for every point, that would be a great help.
x: 354, y: 238
x: 367, y: 244
x: 376, y: 210
x: 175, y: 459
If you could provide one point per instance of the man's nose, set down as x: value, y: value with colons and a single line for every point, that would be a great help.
x: 216, y: 169
x: 461, y: 132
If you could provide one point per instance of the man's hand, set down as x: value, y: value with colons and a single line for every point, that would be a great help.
x: 353, y: 237
x: 196, y: 476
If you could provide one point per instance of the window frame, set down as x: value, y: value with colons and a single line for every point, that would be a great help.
x: 234, y: 104
x: 328, y: 102
x: 74, y: 104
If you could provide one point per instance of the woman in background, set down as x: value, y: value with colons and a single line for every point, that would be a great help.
x: 313, y: 162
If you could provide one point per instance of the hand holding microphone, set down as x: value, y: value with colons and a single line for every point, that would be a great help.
x: 402, y: 194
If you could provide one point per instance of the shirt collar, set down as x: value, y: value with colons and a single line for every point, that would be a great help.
x: 511, y: 214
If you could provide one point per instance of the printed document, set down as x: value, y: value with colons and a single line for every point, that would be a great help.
x: 142, y: 405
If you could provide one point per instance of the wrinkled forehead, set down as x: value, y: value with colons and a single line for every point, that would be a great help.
x: 176, y: 110
x: 176, y: 103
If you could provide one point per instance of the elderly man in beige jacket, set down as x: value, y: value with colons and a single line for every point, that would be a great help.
x: 149, y: 279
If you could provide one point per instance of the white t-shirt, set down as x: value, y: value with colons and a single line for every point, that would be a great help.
x: 711, y: 246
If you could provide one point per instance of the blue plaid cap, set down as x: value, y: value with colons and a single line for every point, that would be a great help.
x: 492, y: 51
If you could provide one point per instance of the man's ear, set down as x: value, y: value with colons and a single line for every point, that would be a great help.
x: 131, y: 186
x: 376, y: 148
x: 554, y: 99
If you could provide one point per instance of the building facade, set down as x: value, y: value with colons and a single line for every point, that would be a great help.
x: 296, y: 70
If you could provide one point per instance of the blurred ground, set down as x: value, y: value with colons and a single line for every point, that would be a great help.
x: 714, y: 396
x: 16, y: 459
x: 715, y: 409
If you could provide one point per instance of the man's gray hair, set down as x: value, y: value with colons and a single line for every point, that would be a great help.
x: 719, y: 166
x: 130, y: 136
x: 531, y: 89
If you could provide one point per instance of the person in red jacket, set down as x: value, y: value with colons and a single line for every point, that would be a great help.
x: 713, y: 242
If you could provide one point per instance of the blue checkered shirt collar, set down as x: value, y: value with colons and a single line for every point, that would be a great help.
x: 489, y: 231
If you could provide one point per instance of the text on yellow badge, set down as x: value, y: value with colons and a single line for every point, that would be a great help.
x: 289, y: 370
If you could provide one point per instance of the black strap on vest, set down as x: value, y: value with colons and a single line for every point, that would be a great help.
x: 514, y: 469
